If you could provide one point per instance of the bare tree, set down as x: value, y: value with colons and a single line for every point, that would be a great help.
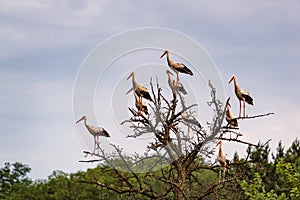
x: 175, y: 161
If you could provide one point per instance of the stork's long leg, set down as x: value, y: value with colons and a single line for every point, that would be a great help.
x: 220, y: 174
x: 224, y: 172
x: 177, y: 76
x: 244, y: 109
x: 97, y: 139
x: 95, y: 143
x: 240, y: 108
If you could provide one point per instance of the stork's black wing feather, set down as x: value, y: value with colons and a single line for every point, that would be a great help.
x: 145, y: 109
x: 105, y: 133
x: 227, y: 162
x: 248, y: 99
x: 184, y: 69
x: 146, y: 95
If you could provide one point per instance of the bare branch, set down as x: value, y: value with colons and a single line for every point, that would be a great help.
x: 171, y: 145
x: 256, y: 116
x: 244, y: 142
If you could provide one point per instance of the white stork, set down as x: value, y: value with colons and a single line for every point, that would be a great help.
x: 242, y: 95
x: 140, y: 105
x: 175, y: 85
x: 230, y: 118
x: 140, y: 90
x: 222, y: 159
x: 177, y: 67
x: 95, y: 131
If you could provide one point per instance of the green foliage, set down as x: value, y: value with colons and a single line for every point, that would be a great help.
x: 256, y: 190
x: 260, y: 178
x: 15, y: 184
x: 13, y: 177
x: 289, y: 180
x: 293, y: 154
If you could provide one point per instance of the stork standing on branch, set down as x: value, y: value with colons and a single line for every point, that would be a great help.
x: 95, y: 131
x: 242, y: 95
x: 140, y: 90
x: 222, y: 159
x: 231, y: 120
x: 140, y: 105
x: 177, y: 67
x: 175, y: 85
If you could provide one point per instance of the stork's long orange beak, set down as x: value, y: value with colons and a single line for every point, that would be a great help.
x: 163, y: 54
x: 130, y: 75
x: 129, y: 90
x: 219, y: 143
x: 79, y: 120
x: 231, y: 80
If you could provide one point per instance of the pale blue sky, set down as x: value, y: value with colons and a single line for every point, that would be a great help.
x: 44, y: 43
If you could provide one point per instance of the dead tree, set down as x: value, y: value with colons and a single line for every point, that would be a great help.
x: 173, y: 165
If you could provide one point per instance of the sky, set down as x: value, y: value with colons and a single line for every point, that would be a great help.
x: 45, y: 43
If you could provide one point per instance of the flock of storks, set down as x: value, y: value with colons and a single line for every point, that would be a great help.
x: 141, y: 92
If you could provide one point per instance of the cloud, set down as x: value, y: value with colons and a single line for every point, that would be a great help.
x: 36, y: 25
x: 44, y: 42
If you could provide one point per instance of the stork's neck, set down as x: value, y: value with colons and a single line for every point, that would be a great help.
x: 168, y: 59
x: 229, y: 114
x: 228, y: 108
x: 183, y: 105
x: 227, y: 111
x: 169, y: 77
x: 134, y: 83
x: 84, y: 119
x: 220, y: 149
x: 236, y: 85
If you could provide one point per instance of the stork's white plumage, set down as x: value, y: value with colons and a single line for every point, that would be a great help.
x: 242, y: 95
x: 95, y: 131
x: 177, y: 67
x: 175, y: 85
x: 140, y: 90
x: 230, y: 118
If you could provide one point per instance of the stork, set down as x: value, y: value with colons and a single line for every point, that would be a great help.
x: 140, y: 105
x: 175, y: 85
x: 95, y: 131
x: 140, y: 90
x: 242, y: 95
x: 222, y: 159
x: 177, y: 67
x: 232, y: 121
